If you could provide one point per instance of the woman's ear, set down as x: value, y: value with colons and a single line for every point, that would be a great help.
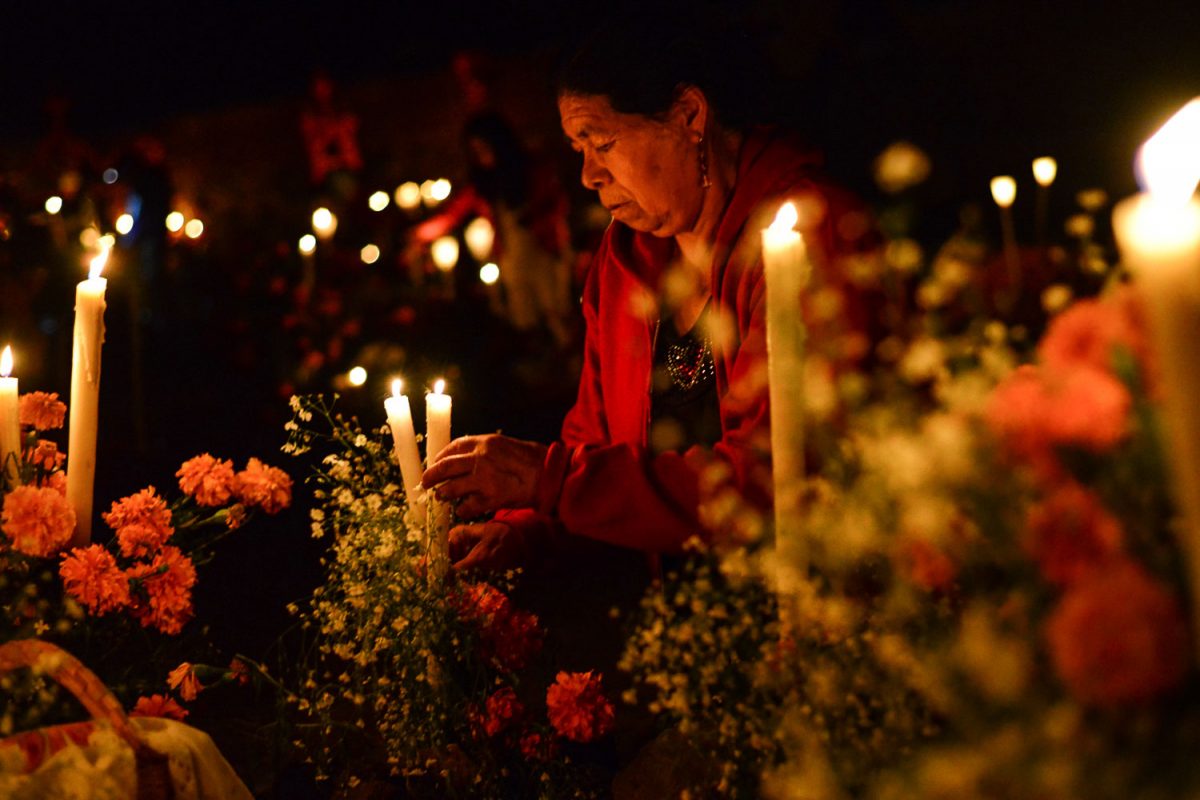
x: 691, y: 110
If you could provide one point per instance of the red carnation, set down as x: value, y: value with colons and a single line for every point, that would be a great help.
x: 1069, y: 533
x: 577, y: 707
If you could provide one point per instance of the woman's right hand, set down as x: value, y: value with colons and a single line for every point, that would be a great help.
x: 488, y: 546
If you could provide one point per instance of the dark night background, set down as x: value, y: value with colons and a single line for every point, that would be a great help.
x: 983, y: 86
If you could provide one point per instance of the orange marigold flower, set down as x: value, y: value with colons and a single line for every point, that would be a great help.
x: 239, y: 672
x: 236, y: 516
x: 1070, y: 533
x: 45, y: 454
x: 91, y: 575
x: 1118, y: 637
x: 37, y: 520
x: 56, y: 481
x: 502, y: 708
x: 184, y: 679
x: 268, y: 488
x: 577, y: 707
x: 157, y: 705
x: 207, y: 480
x: 41, y: 410
x: 164, y: 596
x: 142, y: 522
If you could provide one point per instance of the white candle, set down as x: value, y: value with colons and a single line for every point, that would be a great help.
x: 10, y: 421
x: 404, y: 442
x: 1159, y: 236
x: 85, y: 397
x: 1158, y: 233
x: 785, y: 267
x: 437, y: 436
x: 1004, y: 192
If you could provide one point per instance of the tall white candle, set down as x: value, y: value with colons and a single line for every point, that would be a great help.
x: 85, y: 397
x: 437, y: 436
x: 785, y: 266
x: 10, y: 422
x: 1004, y: 192
x: 404, y: 443
x: 1159, y: 236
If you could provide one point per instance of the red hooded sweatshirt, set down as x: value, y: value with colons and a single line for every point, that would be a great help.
x: 601, y: 480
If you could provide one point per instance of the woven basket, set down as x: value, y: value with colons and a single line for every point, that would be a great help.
x: 153, y: 774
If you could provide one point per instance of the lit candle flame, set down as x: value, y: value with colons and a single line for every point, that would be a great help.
x: 1004, y: 190
x: 397, y: 385
x: 1045, y: 170
x: 6, y: 362
x: 785, y: 219
x: 439, y: 386
x: 1168, y: 165
x: 97, y: 264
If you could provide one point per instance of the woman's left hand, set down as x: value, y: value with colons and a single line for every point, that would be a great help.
x: 481, y: 474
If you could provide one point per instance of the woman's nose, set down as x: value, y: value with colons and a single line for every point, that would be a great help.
x: 593, y: 175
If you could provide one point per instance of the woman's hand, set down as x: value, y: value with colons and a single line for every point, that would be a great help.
x: 488, y: 546
x: 481, y: 474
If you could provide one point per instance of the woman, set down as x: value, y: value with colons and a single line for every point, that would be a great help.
x: 675, y: 313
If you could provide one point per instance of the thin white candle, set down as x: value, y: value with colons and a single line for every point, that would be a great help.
x: 1159, y: 236
x: 785, y: 266
x: 10, y: 421
x: 404, y: 442
x: 437, y: 436
x: 1004, y: 192
x: 85, y: 397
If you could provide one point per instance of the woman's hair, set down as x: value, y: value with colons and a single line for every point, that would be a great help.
x: 640, y: 63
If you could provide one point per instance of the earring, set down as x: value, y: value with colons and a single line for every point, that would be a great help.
x: 704, y: 181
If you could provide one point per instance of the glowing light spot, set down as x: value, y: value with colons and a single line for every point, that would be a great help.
x: 785, y: 219
x: 106, y: 242
x: 324, y: 222
x: 1045, y: 169
x: 88, y: 237
x: 397, y: 385
x: 110, y: 176
x: 489, y: 273
x: 427, y: 191
x: 1004, y: 190
x: 445, y: 253
x: 308, y: 244
x: 480, y: 236
x: 357, y: 376
x: 6, y: 362
x: 98, y: 262
x: 193, y: 229
x: 440, y: 189
x: 378, y: 201
x: 1168, y: 164
x: 439, y: 386
x: 54, y: 204
x: 124, y: 224
x: 408, y: 195
x: 175, y: 222
x: 369, y: 254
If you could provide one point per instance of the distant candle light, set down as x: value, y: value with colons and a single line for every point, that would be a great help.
x: 480, y: 236
x: 175, y: 222
x: 124, y: 224
x: 369, y: 254
x: 489, y: 273
x: 378, y: 201
x: 1045, y: 169
x: 324, y: 222
x: 193, y: 229
x: 54, y: 204
x: 1004, y: 190
x: 357, y: 376
x: 408, y: 195
x: 445, y: 253
x: 440, y: 190
x: 308, y: 244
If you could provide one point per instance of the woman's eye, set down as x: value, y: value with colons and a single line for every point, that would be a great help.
x: 604, y: 148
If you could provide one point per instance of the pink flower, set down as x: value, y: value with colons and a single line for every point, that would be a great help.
x: 164, y: 600
x: 91, y: 575
x: 1118, y: 637
x: 269, y: 488
x: 207, y: 480
x: 157, y: 705
x: 184, y: 679
x: 577, y: 707
x: 38, y: 521
x: 1070, y: 533
x: 142, y: 522
x: 41, y: 410
x: 1035, y: 409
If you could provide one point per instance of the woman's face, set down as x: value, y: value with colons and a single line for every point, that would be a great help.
x: 646, y: 171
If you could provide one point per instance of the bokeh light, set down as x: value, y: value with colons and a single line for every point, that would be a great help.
x: 193, y: 229
x: 110, y: 176
x: 440, y: 189
x: 357, y: 376
x: 1044, y: 170
x: 480, y: 236
x: 369, y: 254
x: 124, y: 224
x: 489, y: 273
x: 1004, y: 190
x: 308, y: 244
x: 175, y: 222
x: 54, y: 204
x: 445, y: 253
x: 378, y: 201
x: 408, y: 195
x: 324, y: 222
